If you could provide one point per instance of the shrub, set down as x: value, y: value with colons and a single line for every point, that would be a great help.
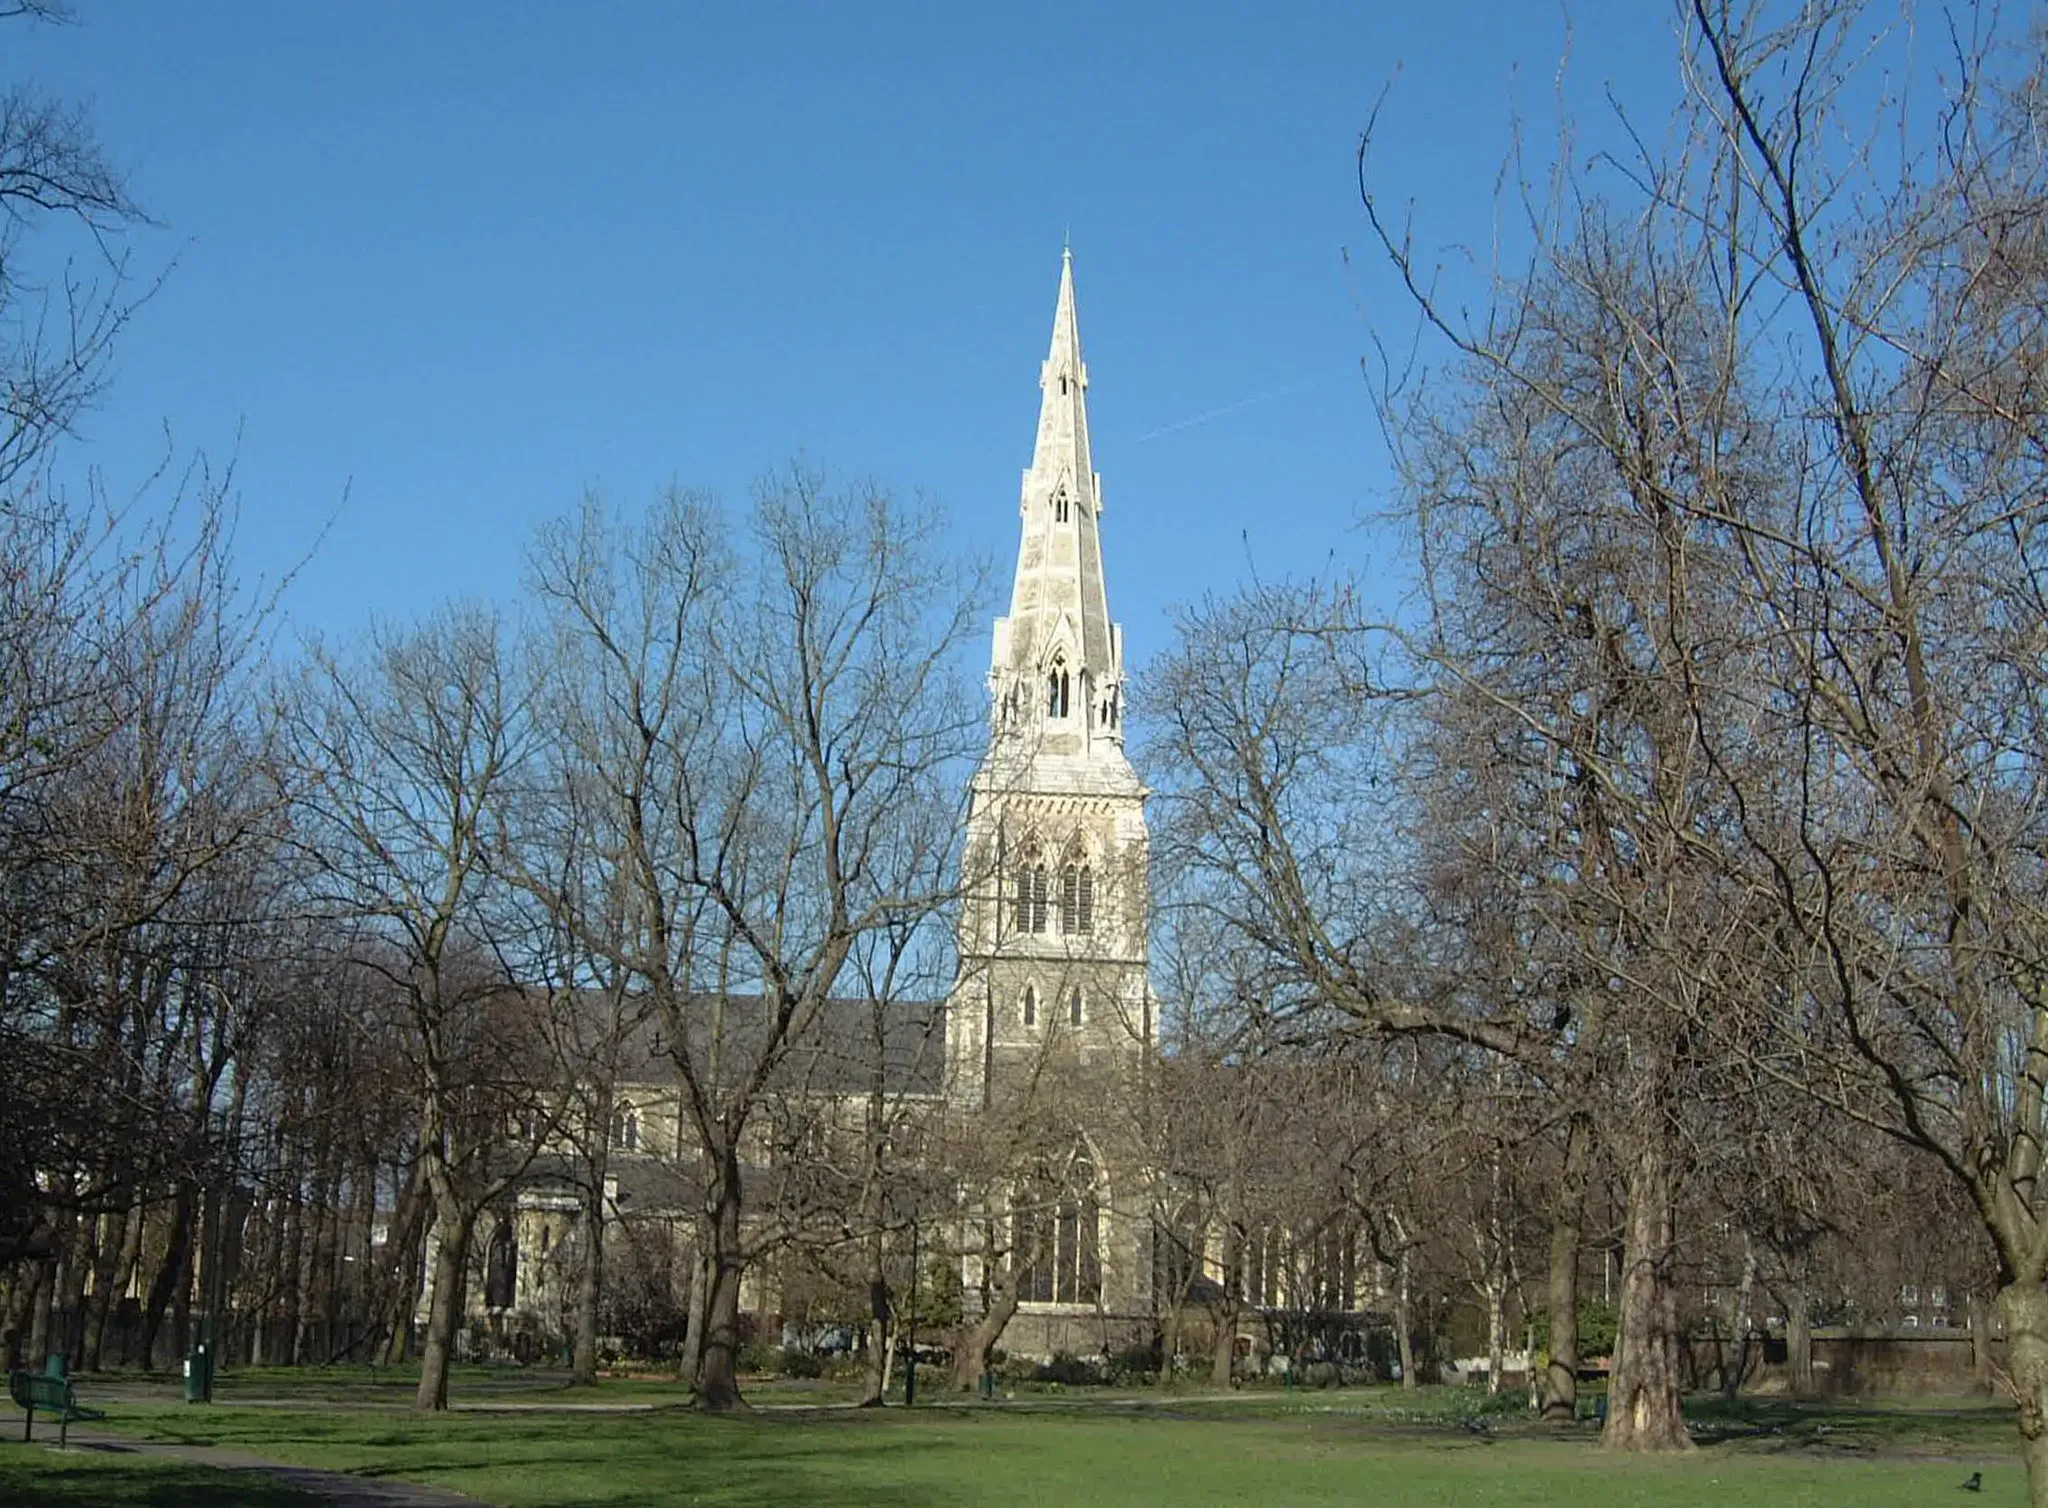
x: 1133, y: 1367
x: 794, y: 1363
x: 1068, y: 1371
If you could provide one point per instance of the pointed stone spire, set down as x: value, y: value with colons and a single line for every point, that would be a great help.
x: 1059, y: 623
x: 1063, y: 384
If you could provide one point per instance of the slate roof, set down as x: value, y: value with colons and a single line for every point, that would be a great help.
x: 835, y: 1055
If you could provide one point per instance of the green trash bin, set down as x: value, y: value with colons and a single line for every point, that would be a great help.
x: 199, y: 1375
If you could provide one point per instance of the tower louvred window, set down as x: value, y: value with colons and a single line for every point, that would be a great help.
x: 1057, y: 686
x: 1033, y: 891
x: 1077, y: 899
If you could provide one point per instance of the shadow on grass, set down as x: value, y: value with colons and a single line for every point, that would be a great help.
x: 1856, y: 1427
x: 626, y: 1461
x: 98, y: 1479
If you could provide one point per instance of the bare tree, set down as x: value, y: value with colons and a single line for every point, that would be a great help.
x: 404, y: 757
x: 763, y: 720
x: 1751, y: 453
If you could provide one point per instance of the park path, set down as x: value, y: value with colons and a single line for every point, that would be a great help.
x: 337, y: 1489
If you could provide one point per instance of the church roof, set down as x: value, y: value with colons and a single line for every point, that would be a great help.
x: 836, y: 1054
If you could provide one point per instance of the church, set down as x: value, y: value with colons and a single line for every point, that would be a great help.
x: 1042, y: 1050
x: 1053, y: 987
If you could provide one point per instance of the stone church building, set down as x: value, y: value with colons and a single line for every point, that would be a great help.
x: 1046, y: 1037
x: 1053, y: 982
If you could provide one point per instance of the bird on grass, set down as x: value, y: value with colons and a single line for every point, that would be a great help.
x: 1975, y: 1483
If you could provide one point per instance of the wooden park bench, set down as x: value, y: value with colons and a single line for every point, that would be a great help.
x: 50, y: 1392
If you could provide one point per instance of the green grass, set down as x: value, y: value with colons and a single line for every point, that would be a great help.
x: 1341, y: 1447
x: 79, y: 1478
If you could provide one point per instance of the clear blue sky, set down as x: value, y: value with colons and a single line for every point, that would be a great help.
x: 442, y: 265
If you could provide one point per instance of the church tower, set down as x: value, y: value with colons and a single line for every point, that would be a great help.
x: 1049, y: 1027
x: 1053, y: 934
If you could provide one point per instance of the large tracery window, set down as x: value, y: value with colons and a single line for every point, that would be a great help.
x: 1058, y: 1247
x: 1033, y: 891
x: 1077, y: 899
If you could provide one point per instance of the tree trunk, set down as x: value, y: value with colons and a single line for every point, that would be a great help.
x: 1560, y: 1399
x: 589, y: 1289
x: 1799, y: 1343
x: 291, y: 1289
x: 1496, y: 1333
x: 1404, y: 1320
x: 21, y: 1297
x: 1643, y: 1412
x: 173, y: 1274
x: 1735, y: 1360
x: 874, y: 1378
x: 718, y: 1384
x: 976, y: 1340
x: 113, y: 1242
x: 1169, y: 1340
x: 451, y: 1267
x: 2024, y: 1307
x: 1223, y: 1344
x: 1979, y: 1321
x: 42, y: 1297
x: 305, y: 1275
x: 874, y: 1382
x: 76, y: 1268
x: 1223, y: 1348
x: 408, y: 1252
x: 691, y: 1365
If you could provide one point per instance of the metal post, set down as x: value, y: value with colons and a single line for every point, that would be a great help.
x: 910, y: 1373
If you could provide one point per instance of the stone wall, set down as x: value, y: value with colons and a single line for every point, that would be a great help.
x: 1871, y: 1363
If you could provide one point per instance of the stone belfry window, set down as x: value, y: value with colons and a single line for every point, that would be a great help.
x: 1033, y: 891
x: 1077, y: 899
x: 1058, y: 690
x: 1059, y: 506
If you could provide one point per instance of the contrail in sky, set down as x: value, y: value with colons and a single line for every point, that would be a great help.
x: 1231, y: 408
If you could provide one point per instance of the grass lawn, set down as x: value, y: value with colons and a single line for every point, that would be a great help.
x: 78, y: 1478
x: 1372, y: 1446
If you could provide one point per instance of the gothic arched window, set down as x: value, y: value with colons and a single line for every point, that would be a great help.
x: 1059, y: 498
x: 1074, y: 1006
x: 1077, y: 899
x: 1033, y: 891
x: 1058, y: 1249
x: 626, y: 1129
x: 1030, y: 1005
x: 1057, y: 688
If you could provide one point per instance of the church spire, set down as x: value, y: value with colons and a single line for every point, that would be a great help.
x: 1063, y: 384
x: 1058, y: 663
